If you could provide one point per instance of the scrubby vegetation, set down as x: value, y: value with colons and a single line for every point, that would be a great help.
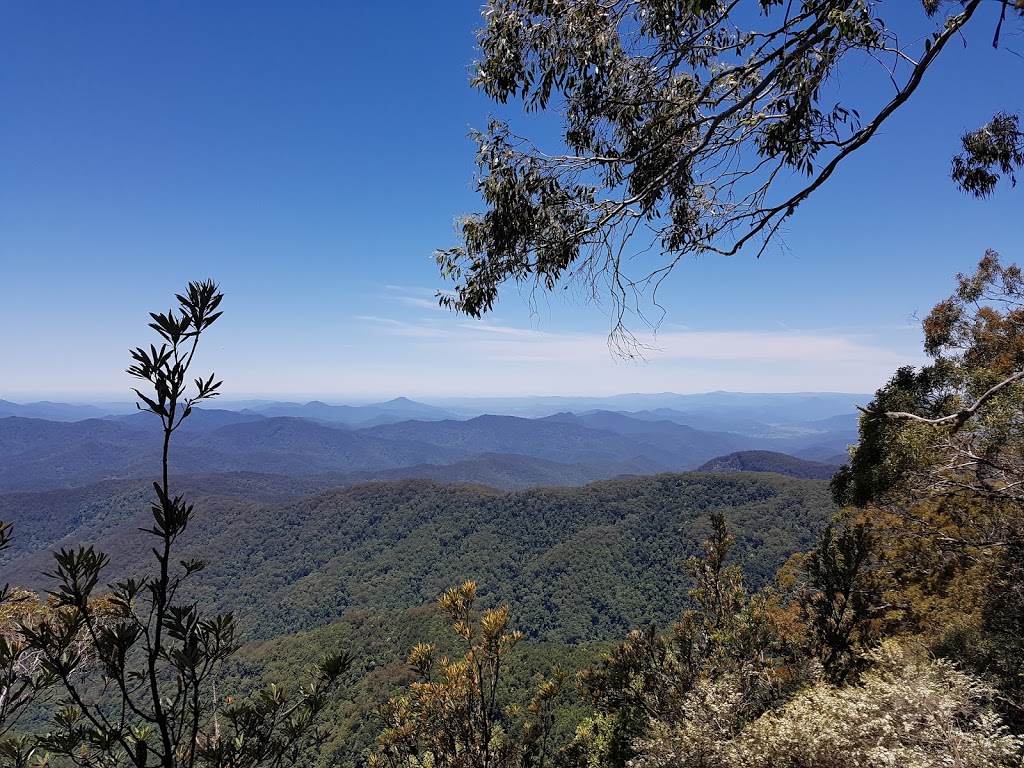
x: 896, y: 640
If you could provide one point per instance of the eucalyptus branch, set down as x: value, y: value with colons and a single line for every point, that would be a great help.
x: 958, y: 419
x: 676, y: 117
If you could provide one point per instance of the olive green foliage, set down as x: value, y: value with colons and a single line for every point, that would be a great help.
x: 679, y: 122
x: 937, y: 475
x: 136, y: 667
x: 728, y: 635
x: 455, y: 713
x: 840, y: 601
x: 889, y: 452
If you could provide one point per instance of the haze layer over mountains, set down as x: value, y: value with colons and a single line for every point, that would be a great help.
x: 538, y: 441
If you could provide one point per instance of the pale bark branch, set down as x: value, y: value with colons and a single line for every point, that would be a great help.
x: 957, y: 419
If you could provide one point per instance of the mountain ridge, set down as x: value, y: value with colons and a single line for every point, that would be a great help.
x: 391, y: 545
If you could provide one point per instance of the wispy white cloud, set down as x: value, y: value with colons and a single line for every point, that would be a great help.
x: 420, y: 298
x: 393, y: 327
x: 453, y: 356
x: 420, y: 303
x: 504, y: 330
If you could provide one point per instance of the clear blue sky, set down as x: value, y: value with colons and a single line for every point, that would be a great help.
x: 310, y: 157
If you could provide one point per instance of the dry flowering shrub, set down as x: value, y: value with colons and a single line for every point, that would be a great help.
x: 453, y: 716
x: 714, y: 710
x: 909, y: 711
x: 19, y: 666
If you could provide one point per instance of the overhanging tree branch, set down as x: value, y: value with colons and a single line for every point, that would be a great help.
x: 682, y: 129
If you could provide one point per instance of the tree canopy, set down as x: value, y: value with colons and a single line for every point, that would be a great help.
x: 937, y: 476
x: 687, y: 128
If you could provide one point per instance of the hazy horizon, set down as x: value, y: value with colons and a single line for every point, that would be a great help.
x: 240, y: 402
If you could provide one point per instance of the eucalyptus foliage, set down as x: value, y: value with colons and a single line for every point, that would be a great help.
x: 938, y: 477
x: 686, y: 128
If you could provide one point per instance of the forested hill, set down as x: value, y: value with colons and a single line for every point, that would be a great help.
x: 574, y: 563
x: 770, y: 461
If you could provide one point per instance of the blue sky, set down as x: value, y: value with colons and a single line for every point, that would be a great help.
x: 311, y: 157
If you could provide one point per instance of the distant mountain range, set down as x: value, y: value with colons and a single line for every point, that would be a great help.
x: 514, y: 452
x: 715, y: 411
x: 787, y: 407
x: 399, y: 409
x: 56, y: 411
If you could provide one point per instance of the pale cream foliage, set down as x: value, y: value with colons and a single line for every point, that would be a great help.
x: 703, y: 736
x: 908, y: 711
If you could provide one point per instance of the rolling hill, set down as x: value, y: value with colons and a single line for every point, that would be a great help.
x: 770, y: 461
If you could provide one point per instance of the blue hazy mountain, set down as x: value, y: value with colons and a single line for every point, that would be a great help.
x: 771, y: 462
x: 56, y: 411
x: 317, y: 438
x: 769, y: 408
x: 398, y: 409
x: 200, y: 420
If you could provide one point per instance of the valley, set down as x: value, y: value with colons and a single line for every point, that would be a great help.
x: 317, y: 534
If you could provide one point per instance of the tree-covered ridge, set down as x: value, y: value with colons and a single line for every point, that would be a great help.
x: 770, y: 461
x: 388, y: 546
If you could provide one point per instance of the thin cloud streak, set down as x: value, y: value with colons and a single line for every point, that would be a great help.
x: 420, y: 298
x: 420, y: 303
x: 488, y: 358
x: 523, y: 333
x: 394, y: 327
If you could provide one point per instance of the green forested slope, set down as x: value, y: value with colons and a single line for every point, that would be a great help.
x: 575, y: 564
x: 361, y: 567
